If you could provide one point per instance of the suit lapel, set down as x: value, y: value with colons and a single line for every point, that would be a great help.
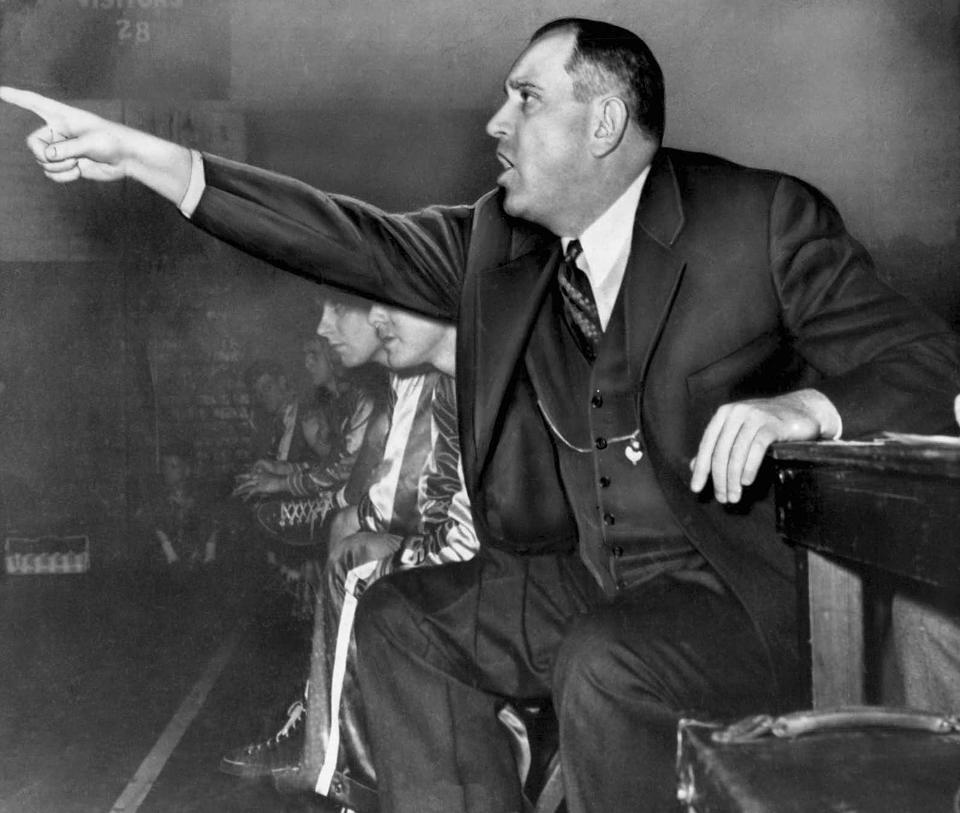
x: 508, y: 299
x: 653, y: 270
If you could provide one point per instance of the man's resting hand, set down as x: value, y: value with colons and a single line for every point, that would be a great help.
x: 739, y: 434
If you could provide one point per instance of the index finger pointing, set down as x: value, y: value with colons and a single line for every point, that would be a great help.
x: 48, y: 109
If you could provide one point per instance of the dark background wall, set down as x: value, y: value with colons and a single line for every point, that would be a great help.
x: 119, y: 324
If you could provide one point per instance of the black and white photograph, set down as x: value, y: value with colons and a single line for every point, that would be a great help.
x: 432, y: 406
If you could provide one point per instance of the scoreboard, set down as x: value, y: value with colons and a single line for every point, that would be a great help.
x: 117, y: 49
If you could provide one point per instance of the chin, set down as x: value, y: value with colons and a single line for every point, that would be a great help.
x: 512, y: 206
x: 516, y: 206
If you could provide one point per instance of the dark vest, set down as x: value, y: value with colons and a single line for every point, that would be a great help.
x: 627, y: 532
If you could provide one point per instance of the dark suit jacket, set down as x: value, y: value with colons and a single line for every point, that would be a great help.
x: 759, y: 288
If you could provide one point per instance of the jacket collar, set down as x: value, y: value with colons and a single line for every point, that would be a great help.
x: 660, y: 212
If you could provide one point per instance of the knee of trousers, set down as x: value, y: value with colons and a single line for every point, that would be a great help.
x: 335, y: 574
x: 340, y: 561
x: 591, y: 659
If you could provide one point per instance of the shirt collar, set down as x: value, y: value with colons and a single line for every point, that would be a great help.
x: 603, y: 241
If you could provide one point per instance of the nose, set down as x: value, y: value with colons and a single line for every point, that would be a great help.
x: 377, y: 315
x: 325, y: 327
x: 499, y: 122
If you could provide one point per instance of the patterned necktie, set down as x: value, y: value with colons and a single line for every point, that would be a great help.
x: 578, y: 302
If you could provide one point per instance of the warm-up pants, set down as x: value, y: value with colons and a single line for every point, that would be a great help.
x: 335, y: 735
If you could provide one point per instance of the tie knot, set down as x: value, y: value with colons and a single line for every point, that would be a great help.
x: 573, y: 252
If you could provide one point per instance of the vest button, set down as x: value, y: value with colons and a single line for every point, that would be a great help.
x: 601, y: 443
x: 617, y: 551
x: 609, y: 519
x: 604, y: 482
x: 597, y: 400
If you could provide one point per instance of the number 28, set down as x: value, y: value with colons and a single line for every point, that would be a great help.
x: 137, y: 31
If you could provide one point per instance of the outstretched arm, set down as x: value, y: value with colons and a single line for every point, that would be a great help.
x: 74, y: 144
x: 415, y: 261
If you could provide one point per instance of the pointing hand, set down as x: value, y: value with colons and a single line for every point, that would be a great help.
x: 73, y: 143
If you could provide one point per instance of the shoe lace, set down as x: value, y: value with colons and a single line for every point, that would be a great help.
x: 294, y: 715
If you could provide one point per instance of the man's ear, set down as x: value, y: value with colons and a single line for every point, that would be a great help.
x: 612, y: 120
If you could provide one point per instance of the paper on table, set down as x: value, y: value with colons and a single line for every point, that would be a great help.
x: 922, y: 440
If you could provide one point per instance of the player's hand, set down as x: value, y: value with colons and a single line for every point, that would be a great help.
x: 361, y: 547
x: 255, y: 484
x: 738, y: 436
x: 277, y: 467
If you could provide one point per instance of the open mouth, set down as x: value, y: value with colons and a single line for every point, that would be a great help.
x: 508, y: 167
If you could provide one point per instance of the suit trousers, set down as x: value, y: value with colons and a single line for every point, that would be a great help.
x: 441, y: 650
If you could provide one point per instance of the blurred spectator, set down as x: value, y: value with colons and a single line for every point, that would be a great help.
x: 180, y: 517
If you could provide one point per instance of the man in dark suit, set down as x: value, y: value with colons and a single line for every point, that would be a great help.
x: 628, y: 314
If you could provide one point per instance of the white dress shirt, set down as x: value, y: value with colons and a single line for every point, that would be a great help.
x: 606, y: 247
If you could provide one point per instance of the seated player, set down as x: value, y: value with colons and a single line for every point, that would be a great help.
x: 346, y: 404
x: 336, y: 759
x: 416, y: 513
x: 385, y: 480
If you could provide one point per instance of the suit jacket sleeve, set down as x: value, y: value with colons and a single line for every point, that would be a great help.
x: 415, y: 261
x: 886, y: 363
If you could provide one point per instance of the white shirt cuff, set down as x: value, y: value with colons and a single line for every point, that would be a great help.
x: 196, y: 186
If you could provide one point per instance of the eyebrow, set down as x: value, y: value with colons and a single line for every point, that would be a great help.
x: 520, y: 84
